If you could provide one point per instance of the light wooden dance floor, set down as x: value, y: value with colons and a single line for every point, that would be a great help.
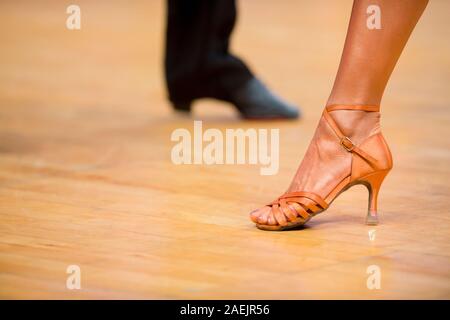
x: 86, y: 177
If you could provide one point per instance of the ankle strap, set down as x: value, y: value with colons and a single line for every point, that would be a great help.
x: 334, y: 107
x: 345, y: 141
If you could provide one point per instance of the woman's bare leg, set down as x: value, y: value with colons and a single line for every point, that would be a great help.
x: 367, y: 62
x: 370, y: 55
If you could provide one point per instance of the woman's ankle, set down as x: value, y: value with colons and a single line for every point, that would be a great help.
x: 358, y: 125
x: 362, y: 98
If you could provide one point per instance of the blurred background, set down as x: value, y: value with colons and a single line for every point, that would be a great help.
x: 115, y: 60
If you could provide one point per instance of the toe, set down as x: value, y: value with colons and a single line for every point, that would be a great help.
x: 262, y: 219
x: 255, y: 214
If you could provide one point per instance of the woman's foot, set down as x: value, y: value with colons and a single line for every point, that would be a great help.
x: 332, y: 162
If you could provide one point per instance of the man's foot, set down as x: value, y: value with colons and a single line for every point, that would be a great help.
x: 254, y: 101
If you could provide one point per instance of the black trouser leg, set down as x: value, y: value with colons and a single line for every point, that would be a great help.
x: 197, y: 61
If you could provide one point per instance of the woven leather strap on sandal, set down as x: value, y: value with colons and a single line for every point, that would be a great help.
x: 297, y: 204
x: 345, y: 141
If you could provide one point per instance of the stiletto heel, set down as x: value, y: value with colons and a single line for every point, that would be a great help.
x: 373, y: 183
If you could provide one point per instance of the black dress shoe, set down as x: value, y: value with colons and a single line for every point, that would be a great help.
x: 182, y: 106
x: 254, y: 101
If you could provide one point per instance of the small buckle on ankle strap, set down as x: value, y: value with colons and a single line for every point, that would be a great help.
x: 347, y: 144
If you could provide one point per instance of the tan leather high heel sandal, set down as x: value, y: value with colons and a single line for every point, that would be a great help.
x: 370, y: 162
